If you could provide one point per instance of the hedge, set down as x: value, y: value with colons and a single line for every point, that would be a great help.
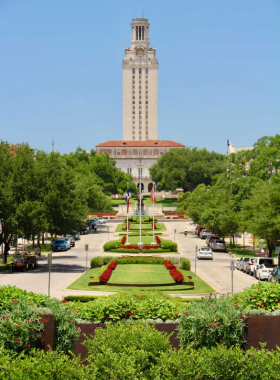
x: 186, y: 264
x: 82, y: 299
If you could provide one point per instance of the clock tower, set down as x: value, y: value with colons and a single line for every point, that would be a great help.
x: 140, y: 85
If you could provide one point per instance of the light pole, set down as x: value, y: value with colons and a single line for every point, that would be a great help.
x: 140, y: 194
x: 153, y: 243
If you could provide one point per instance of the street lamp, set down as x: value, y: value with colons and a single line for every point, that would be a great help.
x: 140, y: 193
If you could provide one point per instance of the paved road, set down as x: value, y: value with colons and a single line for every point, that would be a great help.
x: 67, y: 266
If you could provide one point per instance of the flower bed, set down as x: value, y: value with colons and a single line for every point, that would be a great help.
x: 108, y: 272
x: 129, y: 247
x: 158, y: 240
x: 123, y: 240
x: 150, y: 247
x: 177, y: 276
x: 168, y: 264
x: 112, y: 265
x: 154, y: 225
x: 125, y: 227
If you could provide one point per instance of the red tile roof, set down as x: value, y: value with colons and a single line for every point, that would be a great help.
x: 145, y: 143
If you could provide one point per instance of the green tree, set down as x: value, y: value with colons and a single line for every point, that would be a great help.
x: 187, y: 168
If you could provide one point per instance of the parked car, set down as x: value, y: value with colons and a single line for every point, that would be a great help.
x: 199, y: 229
x: 205, y: 253
x: 76, y: 235
x: 243, y: 262
x: 274, y: 275
x: 68, y: 242
x: 204, y: 234
x: 60, y: 245
x: 210, y: 238
x: 96, y: 220
x: 247, y: 264
x: 262, y: 272
x: 218, y: 245
x: 101, y: 220
x: 240, y: 262
x: 257, y: 261
x: 84, y: 230
x: 72, y: 240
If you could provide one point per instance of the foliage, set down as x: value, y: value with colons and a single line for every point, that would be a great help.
x: 169, y: 245
x: 127, y: 305
x: 210, y: 322
x: 177, y: 276
x: 133, y: 351
x: 96, y: 262
x: 112, y: 244
x: 263, y: 295
x: 27, y: 305
x: 80, y: 298
x: 187, y: 168
x: 186, y: 264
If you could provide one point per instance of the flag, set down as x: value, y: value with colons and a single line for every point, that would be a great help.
x: 152, y: 197
x: 127, y: 199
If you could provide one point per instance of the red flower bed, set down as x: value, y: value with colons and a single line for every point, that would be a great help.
x: 168, y: 264
x: 158, y: 240
x: 129, y: 246
x: 177, y: 276
x: 105, y: 275
x: 155, y: 226
x: 112, y: 265
x: 126, y: 226
x: 123, y: 240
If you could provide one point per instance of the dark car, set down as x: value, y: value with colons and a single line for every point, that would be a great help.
x: 59, y: 245
x: 84, y: 230
x: 76, y: 235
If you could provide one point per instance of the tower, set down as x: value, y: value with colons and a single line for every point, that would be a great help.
x: 140, y: 85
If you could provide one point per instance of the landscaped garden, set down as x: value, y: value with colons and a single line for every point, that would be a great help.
x: 210, y: 331
x: 160, y: 201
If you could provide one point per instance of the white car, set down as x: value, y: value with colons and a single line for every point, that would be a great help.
x: 205, y: 253
x: 102, y: 220
x: 68, y: 243
x: 257, y: 261
x: 239, y: 263
x: 262, y: 272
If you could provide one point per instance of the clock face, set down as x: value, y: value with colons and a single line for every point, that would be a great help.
x: 140, y: 52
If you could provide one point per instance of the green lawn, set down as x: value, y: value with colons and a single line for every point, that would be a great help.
x: 141, y: 274
x: 136, y: 227
x: 200, y: 286
x: 45, y: 248
x: 163, y: 202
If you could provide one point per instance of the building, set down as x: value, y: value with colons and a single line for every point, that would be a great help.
x: 135, y: 156
x: 140, y: 85
x: 140, y: 146
x: 236, y: 149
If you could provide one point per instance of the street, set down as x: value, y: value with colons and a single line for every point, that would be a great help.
x: 68, y: 266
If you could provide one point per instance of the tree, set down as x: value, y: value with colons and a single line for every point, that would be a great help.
x: 187, y: 168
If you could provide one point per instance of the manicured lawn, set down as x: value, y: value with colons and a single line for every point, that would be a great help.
x: 136, y: 227
x: 200, y: 286
x: 238, y: 250
x: 141, y: 274
x: 116, y: 202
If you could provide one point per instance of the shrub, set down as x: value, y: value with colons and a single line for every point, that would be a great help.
x: 177, y: 276
x: 155, y: 250
x: 263, y: 295
x: 129, y: 247
x: 140, y: 260
x: 150, y: 247
x: 158, y: 240
x: 168, y: 244
x: 112, y: 265
x: 126, y: 351
x: 96, y: 262
x: 186, y: 264
x: 210, y: 322
x: 105, y: 275
x: 113, y: 244
x: 123, y: 240
x: 125, y: 250
x: 80, y: 298
x: 168, y: 264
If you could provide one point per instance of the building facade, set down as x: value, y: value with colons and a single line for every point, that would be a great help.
x: 134, y: 156
x: 140, y: 147
x: 140, y: 85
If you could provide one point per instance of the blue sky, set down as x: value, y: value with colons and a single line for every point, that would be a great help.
x: 61, y: 75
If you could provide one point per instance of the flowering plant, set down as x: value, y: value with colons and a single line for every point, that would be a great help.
x: 158, y: 240
x: 129, y: 246
x: 105, y: 275
x: 177, y: 276
x: 212, y: 321
x: 123, y: 240
x: 168, y: 264
x: 112, y: 265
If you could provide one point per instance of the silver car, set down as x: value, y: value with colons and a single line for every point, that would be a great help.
x: 204, y: 234
x: 101, y: 220
x: 205, y: 253
x: 218, y: 245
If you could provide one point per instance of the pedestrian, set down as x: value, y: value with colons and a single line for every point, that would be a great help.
x: 95, y: 228
x: 38, y: 249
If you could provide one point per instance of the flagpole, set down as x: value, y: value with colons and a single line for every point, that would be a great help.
x: 153, y: 243
x: 127, y: 215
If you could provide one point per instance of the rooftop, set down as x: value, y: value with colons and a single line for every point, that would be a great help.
x: 146, y: 143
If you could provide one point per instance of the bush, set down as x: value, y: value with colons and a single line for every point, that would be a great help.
x: 105, y: 275
x: 210, y: 322
x: 263, y: 295
x: 126, y: 351
x: 155, y: 250
x: 186, y: 264
x: 96, y: 262
x: 112, y: 265
x: 140, y: 260
x: 125, y: 250
x: 168, y: 244
x: 128, y: 305
x: 112, y: 244
x: 177, y: 276
x: 168, y: 265
x: 80, y: 298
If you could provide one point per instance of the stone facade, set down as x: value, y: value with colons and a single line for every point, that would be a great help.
x: 140, y: 85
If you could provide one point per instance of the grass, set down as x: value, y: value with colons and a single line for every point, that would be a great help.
x: 163, y: 202
x: 45, y: 248
x: 238, y: 250
x: 136, y: 227
x: 141, y: 274
x: 200, y: 287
